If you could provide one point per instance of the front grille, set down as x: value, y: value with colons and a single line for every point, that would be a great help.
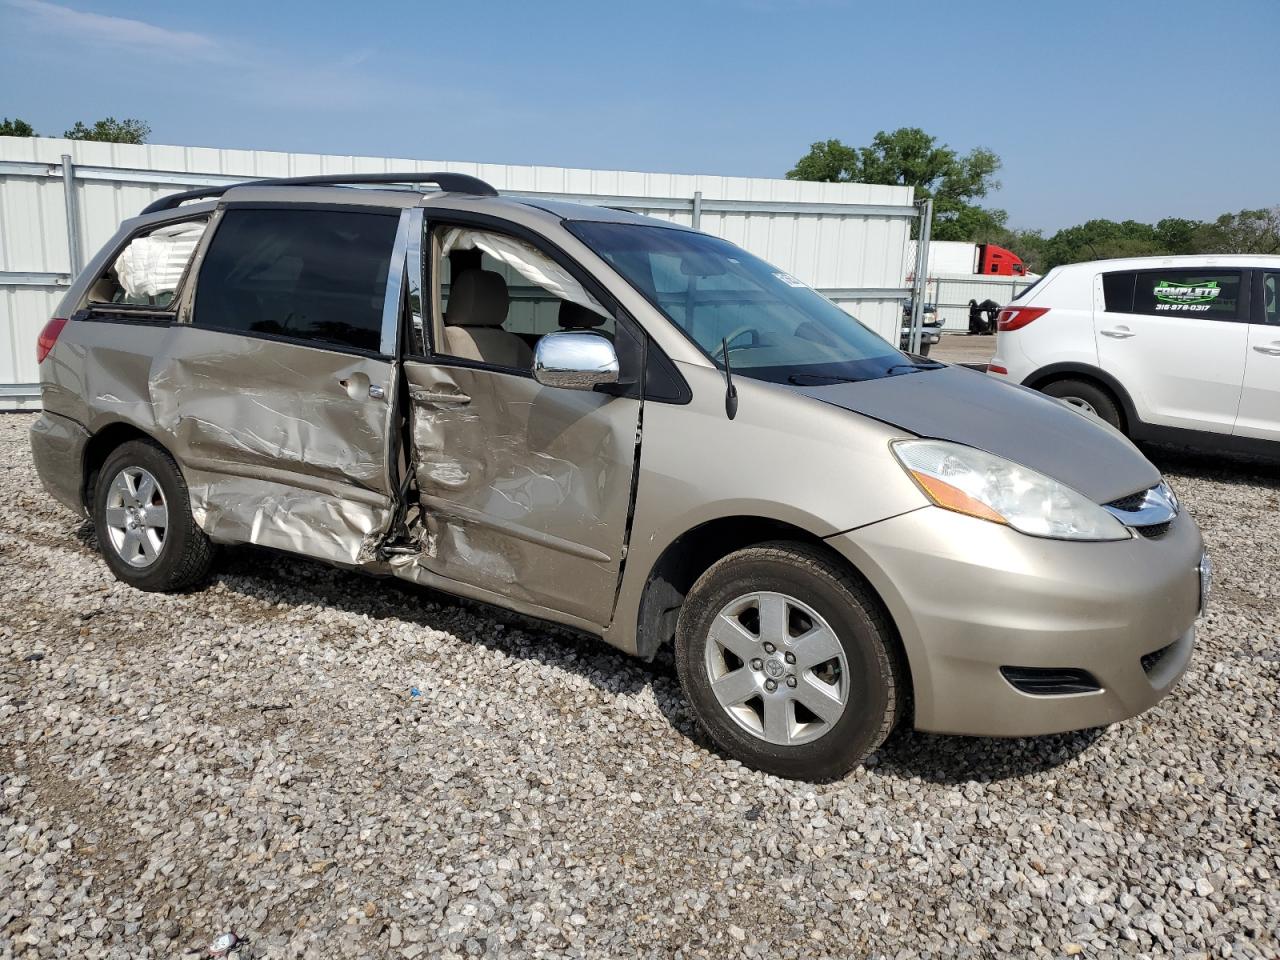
x: 1050, y: 681
x: 1147, y: 512
x: 1130, y: 503
x: 1152, y: 660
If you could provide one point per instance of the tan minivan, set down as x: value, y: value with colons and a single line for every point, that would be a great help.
x: 625, y: 426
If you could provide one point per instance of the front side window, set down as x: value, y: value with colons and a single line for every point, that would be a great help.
x: 772, y: 326
x: 1203, y: 294
x: 314, y: 275
x: 497, y: 295
x: 146, y: 273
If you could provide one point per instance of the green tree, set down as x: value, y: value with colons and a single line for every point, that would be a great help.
x: 910, y: 157
x: 16, y: 128
x: 1029, y: 245
x: 111, y: 130
x: 1103, y: 240
x: 1249, y: 231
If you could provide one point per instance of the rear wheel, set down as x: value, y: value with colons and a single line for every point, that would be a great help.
x: 1088, y: 397
x: 789, y: 664
x: 142, y: 515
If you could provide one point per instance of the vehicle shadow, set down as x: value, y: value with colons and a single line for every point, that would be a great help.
x: 1232, y: 468
x: 274, y: 578
x: 936, y: 758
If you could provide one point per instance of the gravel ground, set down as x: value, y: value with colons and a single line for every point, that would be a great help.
x: 249, y: 757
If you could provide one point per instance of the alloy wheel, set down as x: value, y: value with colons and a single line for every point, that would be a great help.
x: 777, y: 668
x: 137, y: 516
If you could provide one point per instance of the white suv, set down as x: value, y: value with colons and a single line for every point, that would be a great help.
x: 1181, y: 349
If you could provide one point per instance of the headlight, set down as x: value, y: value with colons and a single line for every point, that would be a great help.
x: 978, y: 484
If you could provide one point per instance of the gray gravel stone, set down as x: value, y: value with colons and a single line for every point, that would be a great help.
x: 248, y: 757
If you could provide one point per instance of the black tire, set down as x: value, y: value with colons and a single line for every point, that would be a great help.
x: 185, y: 554
x: 877, y: 691
x: 1100, y: 399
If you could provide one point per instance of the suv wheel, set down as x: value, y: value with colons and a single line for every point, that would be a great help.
x: 789, y: 664
x: 1087, y: 397
x: 142, y: 516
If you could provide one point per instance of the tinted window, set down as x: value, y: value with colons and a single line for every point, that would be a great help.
x: 1208, y: 294
x: 1271, y: 298
x: 1117, y: 292
x: 315, y: 275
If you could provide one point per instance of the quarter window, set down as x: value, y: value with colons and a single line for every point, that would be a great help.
x: 313, y: 275
x: 1117, y: 292
x: 1207, y: 294
x: 146, y: 273
x: 1271, y: 298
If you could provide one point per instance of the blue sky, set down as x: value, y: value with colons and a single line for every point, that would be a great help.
x: 1098, y: 109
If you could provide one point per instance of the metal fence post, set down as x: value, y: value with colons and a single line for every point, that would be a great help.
x: 73, y: 214
x: 921, y: 285
x: 697, y: 210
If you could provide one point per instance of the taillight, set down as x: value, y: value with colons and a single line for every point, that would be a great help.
x: 1015, y: 318
x: 48, y: 337
x: 996, y: 368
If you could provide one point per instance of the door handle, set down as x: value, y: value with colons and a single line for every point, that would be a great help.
x: 1117, y: 333
x: 1272, y: 351
x: 428, y: 396
x: 358, y: 387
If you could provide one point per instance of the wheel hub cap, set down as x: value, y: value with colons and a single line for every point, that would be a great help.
x: 777, y: 668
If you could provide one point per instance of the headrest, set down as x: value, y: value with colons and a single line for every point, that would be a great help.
x: 574, y: 316
x: 477, y: 298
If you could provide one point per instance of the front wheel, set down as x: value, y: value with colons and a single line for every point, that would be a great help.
x: 788, y: 662
x: 142, y: 516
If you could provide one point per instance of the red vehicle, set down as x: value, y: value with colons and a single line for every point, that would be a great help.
x: 999, y: 261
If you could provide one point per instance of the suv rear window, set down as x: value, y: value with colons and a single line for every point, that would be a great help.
x: 313, y: 275
x: 1208, y: 294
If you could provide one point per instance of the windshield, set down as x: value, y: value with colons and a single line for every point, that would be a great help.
x: 776, y: 327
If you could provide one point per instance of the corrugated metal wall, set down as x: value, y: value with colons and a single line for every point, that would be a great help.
x: 848, y: 240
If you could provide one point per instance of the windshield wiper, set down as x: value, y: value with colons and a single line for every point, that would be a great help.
x: 912, y: 367
x: 818, y: 379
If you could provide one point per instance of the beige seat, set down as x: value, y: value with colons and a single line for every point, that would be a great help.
x: 478, y: 304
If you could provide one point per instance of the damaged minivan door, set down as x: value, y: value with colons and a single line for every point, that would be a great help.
x: 524, y: 479
x: 274, y: 387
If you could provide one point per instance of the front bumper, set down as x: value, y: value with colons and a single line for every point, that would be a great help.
x: 57, y: 446
x: 970, y: 597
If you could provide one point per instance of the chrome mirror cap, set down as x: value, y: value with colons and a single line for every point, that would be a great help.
x: 575, y: 361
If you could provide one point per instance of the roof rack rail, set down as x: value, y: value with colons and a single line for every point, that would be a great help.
x: 454, y: 182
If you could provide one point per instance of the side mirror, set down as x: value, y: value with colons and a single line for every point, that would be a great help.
x: 575, y: 361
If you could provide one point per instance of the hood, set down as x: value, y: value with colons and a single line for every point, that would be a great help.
x: 965, y: 406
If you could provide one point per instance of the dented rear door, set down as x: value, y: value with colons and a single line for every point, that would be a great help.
x: 275, y: 395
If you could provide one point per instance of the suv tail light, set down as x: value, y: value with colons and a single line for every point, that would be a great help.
x: 48, y: 337
x: 1015, y: 318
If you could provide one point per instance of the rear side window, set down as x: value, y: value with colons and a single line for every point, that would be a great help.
x: 314, y: 275
x: 147, y: 272
x: 1207, y: 294
x: 1271, y: 298
x: 1117, y: 292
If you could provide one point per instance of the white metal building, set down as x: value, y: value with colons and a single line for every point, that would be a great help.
x: 848, y: 240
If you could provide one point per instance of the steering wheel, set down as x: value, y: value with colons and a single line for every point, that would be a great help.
x: 719, y: 351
